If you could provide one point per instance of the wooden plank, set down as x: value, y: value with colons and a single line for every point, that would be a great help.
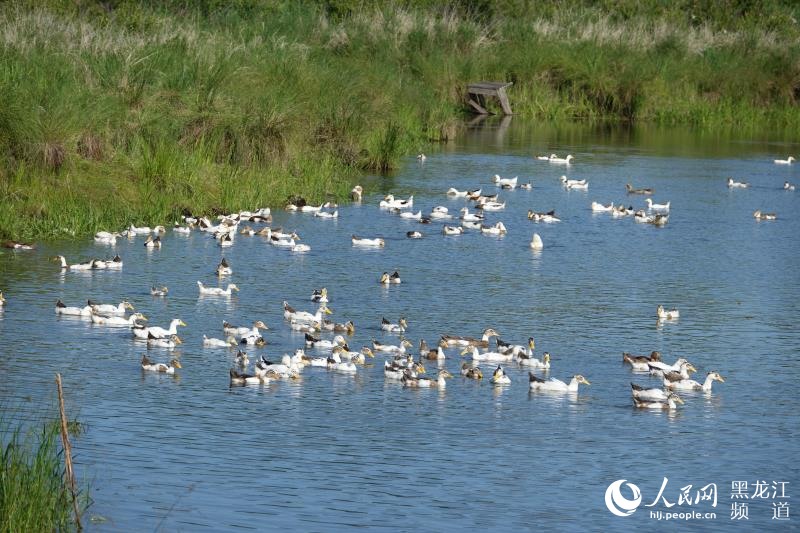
x: 490, y: 85
x: 477, y: 107
x: 501, y: 94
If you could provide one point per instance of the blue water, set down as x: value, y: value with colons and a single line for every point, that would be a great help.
x: 332, y: 452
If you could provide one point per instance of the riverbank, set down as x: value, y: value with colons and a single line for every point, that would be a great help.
x: 132, y: 114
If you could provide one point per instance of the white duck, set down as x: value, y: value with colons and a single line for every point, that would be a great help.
x: 663, y: 314
x: 536, y: 242
x: 657, y: 207
x: 229, y: 342
x: 671, y: 402
x: 470, y: 217
x: 400, y: 327
x: 391, y: 348
x: 117, y: 321
x: 166, y: 342
x: 505, y: 183
x: 230, y: 329
x: 359, y: 241
x: 499, y: 377
x: 597, y: 207
x: 452, y: 230
x: 163, y: 368
x: 106, y: 237
x: 787, y: 161
x: 62, y: 309
x: 410, y: 380
x: 487, y: 357
x: 109, y: 264
x: 497, y: 229
x: 77, y: 266
x: 648, y: 395
x: 758, y: 215
x: 108, y: 309
x: 304, y: 316
x: 737, y: 184
x: 411, y: 216
x: 216, y: 291
x: 356, y: 193
x: 690, y: 384
x: 788, y: 186
x: 144, y: 333
x: 455, y: 193
x: 556, y: 385
x: 440, y: 213
x: 560, y: 160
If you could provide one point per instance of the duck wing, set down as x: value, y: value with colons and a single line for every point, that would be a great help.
x: 533, y: 378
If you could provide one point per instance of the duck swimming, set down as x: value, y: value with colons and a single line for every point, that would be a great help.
x: 787, y: 186
x: 631, y: 190
x: 564, y: 161
x: 165, y: 342
x: 471, y: 371
x: 499, y: 377
x: 663, y: 314
x: 356, y: 193
x: 389, y: 348
x: 387, y: 279
x: 497, y: 229
x: 488, y: 357
x: 656, y: 207
x: 117, y: 321
x: 787, y: 161
x: 230, y: 329
x: 690, y: 384
x: 217, y: 291
x: 758, y: 215
x: 359, y: 241
x: 159, y: 291
x: 106, y: 237
x: 536, y: 242
x: 671, y: 402
x: 111, y: 264
x: 483, y: 342
x: 141, y: 332
x: 737, y: 184
x: 400, y: 327
x: 547, y: 217
x: 229, y: 342
x: 89, y: 265
x: 414, y: 234
x: 237, y: 378
x: 152, y: 242
x: 641, y: 363
x: 164, y: 368
x: 600, y: 208
x: 320, y: 295
x: 409, y: 380
x: 452, y: 230
x: 224, y: 268
x: 556, y: 385
x: 505, y: 183
x: 649, y: 395
x: 62, y: 309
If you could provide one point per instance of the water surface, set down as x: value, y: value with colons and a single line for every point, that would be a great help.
x: 333, y: 452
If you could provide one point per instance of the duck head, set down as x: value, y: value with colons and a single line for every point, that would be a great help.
x: 580, y: 379
x: 174, y: 363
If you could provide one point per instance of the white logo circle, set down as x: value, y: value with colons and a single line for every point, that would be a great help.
x: 619, y: 504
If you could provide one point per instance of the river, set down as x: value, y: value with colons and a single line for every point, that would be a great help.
x: 333, y: 452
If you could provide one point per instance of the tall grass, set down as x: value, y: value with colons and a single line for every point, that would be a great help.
x: 134, y: 112
x: 33, y: 492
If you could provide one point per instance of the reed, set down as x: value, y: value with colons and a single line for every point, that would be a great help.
x: 129, y: 112
x: 33, y: 492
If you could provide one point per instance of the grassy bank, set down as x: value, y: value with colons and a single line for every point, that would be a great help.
x: 124, y: 112
x: 33, y: 493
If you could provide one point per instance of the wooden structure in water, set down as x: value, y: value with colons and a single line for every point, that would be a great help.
x: 477, y: 93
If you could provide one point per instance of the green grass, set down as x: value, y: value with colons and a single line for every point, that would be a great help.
x: 33, y: 494
x: 124, y: 112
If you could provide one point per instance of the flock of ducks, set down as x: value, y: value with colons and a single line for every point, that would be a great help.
x: 400, y: 364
